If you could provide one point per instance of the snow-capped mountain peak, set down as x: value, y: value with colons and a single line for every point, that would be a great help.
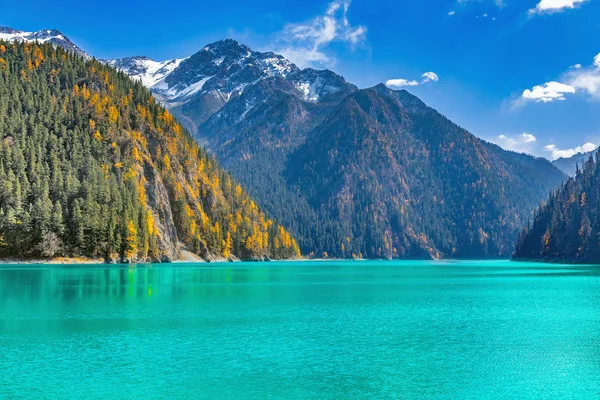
x: 53, y: 36
x: 229, y: 47
x: 314, y: 84
x: 219, y: 72
x: 144, y: 69
x: 224, y: 70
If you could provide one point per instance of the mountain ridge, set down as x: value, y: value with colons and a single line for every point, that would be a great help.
x: 569, y: 165
x: 53, y: 36
x: 264, y: 132
x: 392, y: 179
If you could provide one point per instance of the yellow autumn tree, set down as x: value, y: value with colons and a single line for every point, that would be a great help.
x: 150, y: 223
x: 167, y: 162
x: 113, y: 114
x: 135, y: 153
x: 227, y: 245
x: 131, y: 241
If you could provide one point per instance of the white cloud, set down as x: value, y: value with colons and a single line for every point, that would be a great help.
x: 549, y: 91
x: 522, y: 143
x: 528, y: 143
x: 555, y: 152
x: 577, y: 79
x: 304, y: 57
x: 551, y: 6
x: 586, y: 79
x: 400, y: 82
x: 306, y: 43
x: 430, y: 77
x: 452, y: 13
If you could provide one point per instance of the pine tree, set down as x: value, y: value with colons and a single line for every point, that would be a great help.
x: 91, y: 165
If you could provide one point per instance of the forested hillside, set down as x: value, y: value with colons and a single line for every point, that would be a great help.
x: 567, y: 226
x: 91, y: 165
x: 350, y: 172
x: 376, y: 173
x: 401, y: 180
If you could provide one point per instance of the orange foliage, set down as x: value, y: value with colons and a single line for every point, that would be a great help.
x: 135, y: 154
x: 150, y: 223
x: 167, y: 162
x: 113, y: 114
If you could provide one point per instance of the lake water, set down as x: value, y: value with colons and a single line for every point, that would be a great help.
x: 301, y: 330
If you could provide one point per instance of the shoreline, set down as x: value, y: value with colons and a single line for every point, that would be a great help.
x: 53, y: 261
x: 89, y: 261
x: 188, y: 259
x: 197, y: 260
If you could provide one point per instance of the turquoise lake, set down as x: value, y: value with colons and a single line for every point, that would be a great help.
x: 300, y: 330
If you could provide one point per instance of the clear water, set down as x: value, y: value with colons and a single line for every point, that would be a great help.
x: 312, y: 330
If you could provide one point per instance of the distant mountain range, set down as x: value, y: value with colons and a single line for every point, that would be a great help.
x: 569, y: 164
x: 351, y: 172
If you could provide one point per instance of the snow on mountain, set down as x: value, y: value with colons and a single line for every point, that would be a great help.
x: 47, y: 35
x: 181, y: 93
x: 212, y: 76
x: 313, y: 90
x: 144, y: 69
x: 222, y: 71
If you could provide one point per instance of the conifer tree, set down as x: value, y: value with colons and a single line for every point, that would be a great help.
x: 91, y: 165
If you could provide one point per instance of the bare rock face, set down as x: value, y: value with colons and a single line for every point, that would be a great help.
x: 158, y: 202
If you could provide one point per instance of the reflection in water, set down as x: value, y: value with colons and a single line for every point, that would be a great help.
x: 67, y: 284
x: 300, y: 330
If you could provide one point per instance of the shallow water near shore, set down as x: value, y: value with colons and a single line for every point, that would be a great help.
x: 301, y: 330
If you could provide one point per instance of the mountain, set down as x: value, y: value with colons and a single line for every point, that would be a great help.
x: 143, y: 69
x: 353, y: 172
x: 400, y: 180
x: 203, y: 83
x: 569, y: 165
x: 566, y: 228
x: 44, y: 36
x: 91, y: 165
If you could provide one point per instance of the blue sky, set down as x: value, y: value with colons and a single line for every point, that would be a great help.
x: 520, y: 73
